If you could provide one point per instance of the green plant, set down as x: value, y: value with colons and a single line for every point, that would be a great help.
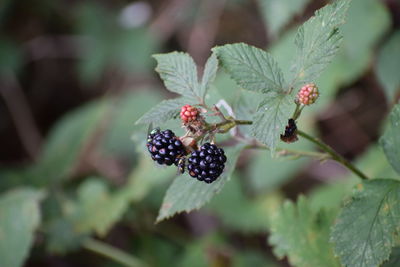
x: 92, y: 194
x: 366, y: 228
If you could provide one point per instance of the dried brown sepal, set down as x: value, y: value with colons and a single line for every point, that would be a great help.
x: 189, y: 143
x: 290, y: 134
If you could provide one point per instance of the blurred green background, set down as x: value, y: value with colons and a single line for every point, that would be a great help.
x: 76, y: 185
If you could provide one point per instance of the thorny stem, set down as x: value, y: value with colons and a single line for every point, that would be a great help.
x: 113, y: 253
x: 335, y: 156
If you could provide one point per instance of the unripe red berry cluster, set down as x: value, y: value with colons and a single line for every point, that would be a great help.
x: 189, y: 113
x: 308, y: 94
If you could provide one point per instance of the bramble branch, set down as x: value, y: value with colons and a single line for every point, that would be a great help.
x: 335, y: 156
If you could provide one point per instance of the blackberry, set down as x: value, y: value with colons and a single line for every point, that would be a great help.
x: 290, y: 134
x: 207, y: 163
x: 165, y: 147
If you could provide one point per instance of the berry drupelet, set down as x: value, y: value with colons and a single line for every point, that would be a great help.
x: 207, y: 163
x: 165, y: 147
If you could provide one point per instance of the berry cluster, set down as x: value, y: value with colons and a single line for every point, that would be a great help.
x: 207, y: 163
x: 165, y: 147
x: 189, y: 113
x: 308, y: 94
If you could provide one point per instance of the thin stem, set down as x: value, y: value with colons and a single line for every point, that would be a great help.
x: 112, y: 253
x: 297, y: 112
x: 227, y: 124
x: 333, y: 153
x: 243, y: 122
x: 300, y: 153
x: 21, y: 114
x: 291, y: 152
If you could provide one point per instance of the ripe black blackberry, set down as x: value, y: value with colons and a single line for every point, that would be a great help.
x: 165, y: 147
x: 207, y: 163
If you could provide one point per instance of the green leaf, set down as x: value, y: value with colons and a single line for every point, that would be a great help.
x: 62, y: 237
x: 267, y: 173
x: 187, y: 193
x: 96, y: 208
x: 19, y: 218
x: 143, y: 178
x: 251, y: 67
x: 271, y: 119
x: 197, y: 254
x: 164, y: 111
x: 210, y: 71
x: 10, y: 57
x: 179, y: 73
x: 65, y: 143
x: 368, y: 226
x: 254, y: 211
x: 388, y: 65
x: 302, y: 234
x: 128, y: 50
x: 331, y: 195
x: 356, y: 51
x: 390, y: 141
x: 317, y: 41
x: 245, y: 258
x: 394, y: 260
x: 256, y: 70
x: 374, y: 164
x: 125, y: 110
x: 278, y: 13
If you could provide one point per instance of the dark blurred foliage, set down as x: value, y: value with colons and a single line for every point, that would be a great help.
x: 76, y: 75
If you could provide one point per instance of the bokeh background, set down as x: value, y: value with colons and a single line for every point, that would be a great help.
x: 76, y: 75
